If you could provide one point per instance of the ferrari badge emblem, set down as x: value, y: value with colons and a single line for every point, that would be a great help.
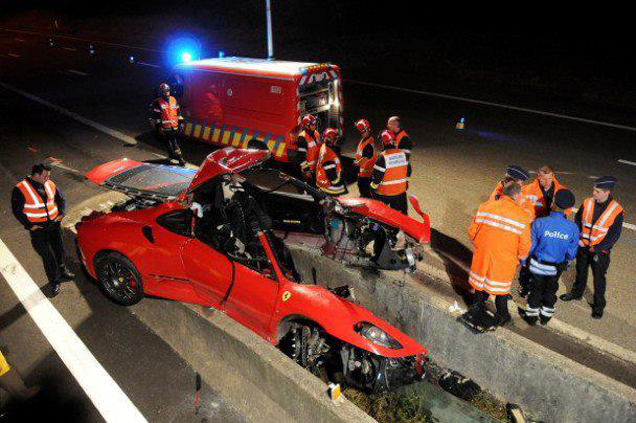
x: 286, y: 295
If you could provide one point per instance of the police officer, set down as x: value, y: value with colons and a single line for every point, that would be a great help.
x: 365, y: 158
x: 514, y: 174
x: 308, y: 143
x: 402, y: 139
x: 39, y: 206
x: 328, y: 166
x: 167, y: 115
x: 600, y: 220
x: 391, y: 174
x: 554, y: 244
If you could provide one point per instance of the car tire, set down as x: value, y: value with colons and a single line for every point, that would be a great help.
x: 118, y: 278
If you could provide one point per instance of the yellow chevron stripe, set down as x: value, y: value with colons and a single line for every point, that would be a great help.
x: 206, y: 133
x: 197, y: 131
x: 270, y: 144
x: 226, y: 137
x: 281, y: 149
x: 215, y: 135
x: 188, y: 129
x: 237, y: 139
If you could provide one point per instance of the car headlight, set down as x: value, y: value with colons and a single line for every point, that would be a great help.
x: 377, y: 335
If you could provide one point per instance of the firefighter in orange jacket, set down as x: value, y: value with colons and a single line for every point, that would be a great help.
x: 308, y: 143
x: 600, y: 220
x: 402, y: 139
x: 365, y: 158
x: 168, y: 121
x: 391, y: 174
x: 500, y: 232
x: 328, y: 166
x: 38, y: 204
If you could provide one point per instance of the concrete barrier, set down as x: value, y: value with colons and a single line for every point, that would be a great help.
x: 548, y: 385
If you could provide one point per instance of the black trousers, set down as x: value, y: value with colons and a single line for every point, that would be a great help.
x: 47, y: 242
x: 171, y: 138
x: 364, y: 186
x: 542, y: 296
x: 501, y: 303
x: 396, y: 202
x: 599, y: 262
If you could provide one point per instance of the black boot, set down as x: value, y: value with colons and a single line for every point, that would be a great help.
x: 597, y: 313
x: 65, y: 274
x: 54, y: 289
x: 503, y: 320
x: 531, y: 320
x: 545, y: 319
x: 570, y: 296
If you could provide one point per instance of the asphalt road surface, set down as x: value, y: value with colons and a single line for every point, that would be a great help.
x: 453, y: 172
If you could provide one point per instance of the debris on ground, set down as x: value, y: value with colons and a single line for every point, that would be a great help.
x: 459, y: 385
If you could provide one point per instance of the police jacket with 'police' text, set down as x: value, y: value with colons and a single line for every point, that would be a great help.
x: 554, y: 240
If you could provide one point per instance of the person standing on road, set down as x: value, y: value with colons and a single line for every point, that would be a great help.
x: 514, y: 175
x: 402, y: 139
x: 308, y: 143
x: 365, y: 158
x: 600, y: 220
x: 541, y: 192
x: 167, y: 115
x: 328, y: 166
x: 39, y: 206
x: 555, y: 241
x: 391, y: 174
x: 500, y: 232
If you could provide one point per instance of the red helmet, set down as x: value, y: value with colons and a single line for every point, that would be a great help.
x: 362, y: 125
x: 387, y: 137
x: 330, y: 136
x: 308, y: 120
x: 164, y: 87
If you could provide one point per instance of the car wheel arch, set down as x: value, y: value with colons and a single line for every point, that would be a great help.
x: 284, y: 325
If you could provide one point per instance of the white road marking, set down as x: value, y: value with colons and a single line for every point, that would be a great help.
x: 13, y: 55
x: 103, y: 391
x: 112, y: 132
x: 148, y: 64
x: 489, y: 103
x: 76, y: 72
x: 627, y: 162
x: 20, y: 40
x: 61, y: 166
x: 70, y: 48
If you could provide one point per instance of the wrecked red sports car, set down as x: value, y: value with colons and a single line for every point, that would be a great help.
x: 209, y: 237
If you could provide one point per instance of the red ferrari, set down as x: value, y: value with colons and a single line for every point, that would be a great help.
x: 212, y: 237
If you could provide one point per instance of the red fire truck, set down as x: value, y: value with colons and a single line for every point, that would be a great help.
x: 230, y: 101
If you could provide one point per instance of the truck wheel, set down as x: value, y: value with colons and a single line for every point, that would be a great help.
x: 118, y: 278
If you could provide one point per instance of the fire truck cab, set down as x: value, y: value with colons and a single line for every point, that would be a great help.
x: 230, y: 101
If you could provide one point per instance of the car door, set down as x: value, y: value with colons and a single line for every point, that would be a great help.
x: 253, y: 298
x: 209, y: 271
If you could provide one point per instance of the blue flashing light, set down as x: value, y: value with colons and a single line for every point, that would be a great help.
x: 461, y: 120
x: 186, y: 57
x: 221, y: 54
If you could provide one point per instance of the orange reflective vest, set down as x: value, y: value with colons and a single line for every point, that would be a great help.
x: 524, y: 202
x: 169, y: 113
x: 500, y: 232
x: 533, y: 195
x: 313, y: 147
x: 327, y: 159
x: 593, y: 233
x: 364, y: 163
x: 395, y: 180
x: 36, y: 209
x: 398, y: 139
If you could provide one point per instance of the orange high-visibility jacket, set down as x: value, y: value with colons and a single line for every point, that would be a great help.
x: 36, y: 209
x: 592, y: 233
x: 396, y: 173
x: 533, y: 195
x: 169, y: 112
x: 524, y: 202
x: 398, y: 141
x: 327, y: 159
x: 365, y: 163
x: 500, y: 232
x: 313, y: 147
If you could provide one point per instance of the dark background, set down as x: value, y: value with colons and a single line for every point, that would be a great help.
x: 521, y: 53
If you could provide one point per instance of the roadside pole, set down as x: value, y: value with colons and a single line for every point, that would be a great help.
x: 270, y: 42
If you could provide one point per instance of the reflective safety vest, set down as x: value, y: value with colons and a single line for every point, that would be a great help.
x: 593, y: 233
x: 313, y: 147
x: 169, y: 113
x: 335, y: 187
x: 35, y: 208
x: 525, y: 203
x: 398, y: 140
x: 533, y: 194
x: 500, y: 232
x: 364, y: 163
x: 395, y: 180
